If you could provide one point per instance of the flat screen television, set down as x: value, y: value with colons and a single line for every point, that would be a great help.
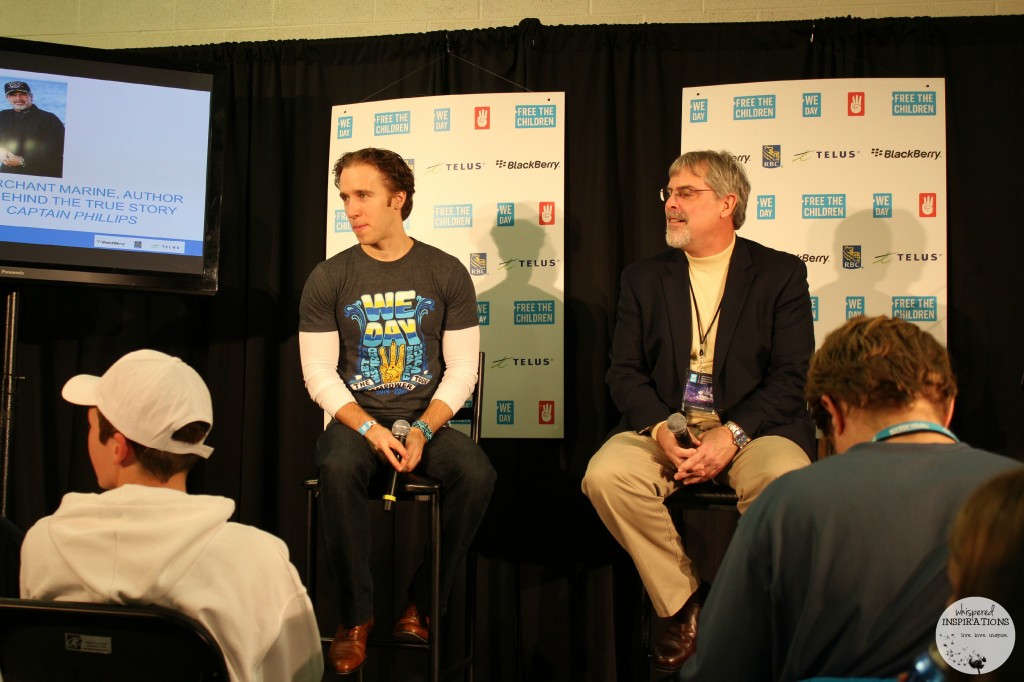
x: 111, y: 168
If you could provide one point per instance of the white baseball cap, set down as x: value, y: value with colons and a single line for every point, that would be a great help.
x: 148, y: 395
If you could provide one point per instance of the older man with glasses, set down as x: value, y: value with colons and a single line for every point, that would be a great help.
x: 718, y: 329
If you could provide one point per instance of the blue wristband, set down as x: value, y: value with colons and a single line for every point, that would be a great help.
x: 422, y: 426
x: 366, y: 427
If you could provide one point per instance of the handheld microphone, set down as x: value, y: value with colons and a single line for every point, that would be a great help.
x: 400, y: 429
x: 677, y: 425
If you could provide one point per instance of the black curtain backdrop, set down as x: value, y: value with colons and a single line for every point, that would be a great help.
x: 559, y: 597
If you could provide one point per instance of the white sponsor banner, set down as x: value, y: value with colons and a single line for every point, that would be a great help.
x: 848, y: 174
x: 490, y: 184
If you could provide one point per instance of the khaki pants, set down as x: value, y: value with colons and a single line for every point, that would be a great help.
x: 628, y: 480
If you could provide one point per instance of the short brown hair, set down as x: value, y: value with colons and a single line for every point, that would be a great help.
x: 397, y: 175
x: 161, y: 464
x: 878, y: 364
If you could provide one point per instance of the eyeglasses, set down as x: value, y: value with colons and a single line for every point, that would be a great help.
x: 683, y: 193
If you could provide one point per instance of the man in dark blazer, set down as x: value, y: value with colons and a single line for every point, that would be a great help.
x: 719, y: 329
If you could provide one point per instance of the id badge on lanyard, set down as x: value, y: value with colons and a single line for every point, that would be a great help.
x: 698, y: 395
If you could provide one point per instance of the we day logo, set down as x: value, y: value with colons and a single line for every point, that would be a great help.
x: 855, y: 103
x: 547, y: 213
x: 482, y: 118
x: 546, y: 412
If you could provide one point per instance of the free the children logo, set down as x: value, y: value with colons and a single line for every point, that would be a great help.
x: 975, y: 635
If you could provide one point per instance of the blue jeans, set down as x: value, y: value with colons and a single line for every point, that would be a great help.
x: 347, y: 465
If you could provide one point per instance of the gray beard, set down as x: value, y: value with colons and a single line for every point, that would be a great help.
x: 678, y: 239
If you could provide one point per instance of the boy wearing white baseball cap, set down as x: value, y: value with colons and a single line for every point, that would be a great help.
x: 147, y: 541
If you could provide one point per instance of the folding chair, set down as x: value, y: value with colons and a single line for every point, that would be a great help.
x: 60, y: 641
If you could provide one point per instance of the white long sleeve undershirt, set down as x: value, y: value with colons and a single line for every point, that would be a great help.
x: 319, y: 353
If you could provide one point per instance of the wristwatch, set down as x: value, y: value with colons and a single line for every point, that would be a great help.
x: 739, y: 436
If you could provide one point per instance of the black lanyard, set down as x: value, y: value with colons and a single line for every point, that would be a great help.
x: 701, y: 334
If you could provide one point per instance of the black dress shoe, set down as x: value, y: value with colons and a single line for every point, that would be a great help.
x: 679, y: 641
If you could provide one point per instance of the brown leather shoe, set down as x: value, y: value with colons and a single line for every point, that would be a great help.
x: 348, y: 650
x: 412, y: 625
x: 679, y: 640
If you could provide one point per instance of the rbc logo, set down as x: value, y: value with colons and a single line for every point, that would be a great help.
x: 771, y: 155
x: 482, y: 118
x: 478, y: 263
x: 851, y: 257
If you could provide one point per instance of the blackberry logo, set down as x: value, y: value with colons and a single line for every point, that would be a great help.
x: 905, y: 153
x: 528, y: 165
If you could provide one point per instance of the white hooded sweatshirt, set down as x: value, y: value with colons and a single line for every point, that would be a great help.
x: 144, y: 545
